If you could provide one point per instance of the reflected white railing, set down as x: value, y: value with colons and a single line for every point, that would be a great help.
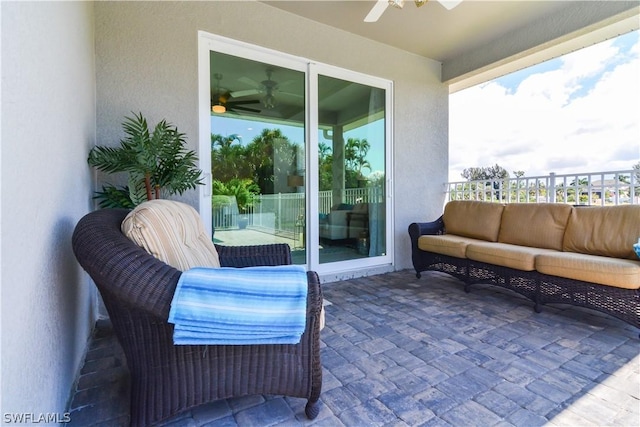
x: 597, y: 188
x: 284, y: 213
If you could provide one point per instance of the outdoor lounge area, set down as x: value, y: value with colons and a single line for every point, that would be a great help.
x: 395, y: 350
x: 401, y: 351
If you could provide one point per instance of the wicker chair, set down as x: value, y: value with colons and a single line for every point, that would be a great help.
x: 166, y: 379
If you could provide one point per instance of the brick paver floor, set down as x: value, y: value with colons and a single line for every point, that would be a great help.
x: 401, y: 351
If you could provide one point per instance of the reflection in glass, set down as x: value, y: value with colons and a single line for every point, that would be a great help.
x: 257, y: 154
x: 351, y: 164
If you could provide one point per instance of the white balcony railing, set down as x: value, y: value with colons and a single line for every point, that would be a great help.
x: 282, y: 213
x: 598, y: 188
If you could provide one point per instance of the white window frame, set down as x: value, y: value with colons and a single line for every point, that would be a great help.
x: 208, y: 42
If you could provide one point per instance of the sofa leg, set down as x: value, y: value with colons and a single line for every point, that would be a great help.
x: 418, y: 275
x: 312, y: 409
x: 537, y: 307
x: 467, y: 287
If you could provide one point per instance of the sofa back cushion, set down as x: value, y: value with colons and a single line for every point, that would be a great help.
x: 478, y: 220
x: 603, y: 230
x: 538, y: 225
x: 172, y: 232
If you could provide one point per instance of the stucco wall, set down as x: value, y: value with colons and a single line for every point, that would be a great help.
x: 48, y: 125
x: 146, y: 60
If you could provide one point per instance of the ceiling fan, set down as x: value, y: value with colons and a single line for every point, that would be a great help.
x: 381, y: 5
x: 220, y: 100
x: 268, y: 88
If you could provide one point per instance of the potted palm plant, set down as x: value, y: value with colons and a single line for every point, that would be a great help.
x: 157, y: 164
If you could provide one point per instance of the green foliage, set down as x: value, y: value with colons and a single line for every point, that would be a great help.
x: 485, y: 173
x: 255, y: 161
x: 155, y: 162
x: 325, y: 161
x: 355, y: 155
x: 228, y: 158
x: 113, y: 197
x: 244, y: 190
x: 355, y: 159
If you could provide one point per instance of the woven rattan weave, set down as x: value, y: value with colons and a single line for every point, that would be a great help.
x: 166, y: 379
x: 539, y: 288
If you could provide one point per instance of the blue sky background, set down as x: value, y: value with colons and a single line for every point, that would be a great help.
x: 574, y: 114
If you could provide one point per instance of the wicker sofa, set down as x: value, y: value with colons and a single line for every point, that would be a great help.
x: 550, y: 253
x: 167, y: 379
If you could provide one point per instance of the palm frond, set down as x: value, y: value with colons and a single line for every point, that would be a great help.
x: 160, y: 155
x: 114, y: 197
x: 137, y: 189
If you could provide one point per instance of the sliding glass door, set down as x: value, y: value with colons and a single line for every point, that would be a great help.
x: 257, y: 153
x: 351, y: 170
x: 296, y: 153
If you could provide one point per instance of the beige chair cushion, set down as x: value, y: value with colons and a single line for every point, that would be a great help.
x: 506, y: 255
x: 621, y: 273
x: 446, y: 244
x: 603, y: 230
x: 478, y: 220
x: 538, y: 225
x: 172, y: 232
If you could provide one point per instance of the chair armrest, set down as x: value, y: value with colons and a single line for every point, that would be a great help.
x: 417, y: 229
x: 248, y: 256
x: 337, y: 218
x: 314, y: 295
x: 115, y: 263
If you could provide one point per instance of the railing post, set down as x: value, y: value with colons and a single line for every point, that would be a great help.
x: 279, y: 211
x: 551, y: 193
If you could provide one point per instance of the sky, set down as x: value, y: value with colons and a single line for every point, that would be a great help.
x: 574, y: 114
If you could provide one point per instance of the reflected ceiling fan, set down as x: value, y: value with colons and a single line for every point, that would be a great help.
x: 381, y: 5
x: 221, y: 103
x: 268, y: 88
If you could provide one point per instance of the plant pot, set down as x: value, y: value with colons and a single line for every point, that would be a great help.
x: 243, y: 222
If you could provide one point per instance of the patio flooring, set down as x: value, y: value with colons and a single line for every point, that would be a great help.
x: 401, y: 351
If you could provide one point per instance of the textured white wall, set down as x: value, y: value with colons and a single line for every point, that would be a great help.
x: 146, y: 60
x: 48, y: 125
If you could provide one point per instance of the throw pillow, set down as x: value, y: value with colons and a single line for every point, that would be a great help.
x: 172, y: 232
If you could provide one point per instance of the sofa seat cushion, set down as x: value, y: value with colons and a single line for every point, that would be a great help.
x: 506, y: 255
x: 539, y: 225
x: 446, y: 244
x: 172, y: 232
x: 603, y: 230
x: 621, y: 273
x: 468, y: 218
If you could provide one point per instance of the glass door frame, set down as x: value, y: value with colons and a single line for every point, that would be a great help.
x: 208, y: 42
x: 316, y: 70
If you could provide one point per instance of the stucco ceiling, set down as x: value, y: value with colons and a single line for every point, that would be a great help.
x: 431, y: 30
x: 454, y: 36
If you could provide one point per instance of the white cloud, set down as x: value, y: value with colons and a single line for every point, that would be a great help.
x: 583, y: 116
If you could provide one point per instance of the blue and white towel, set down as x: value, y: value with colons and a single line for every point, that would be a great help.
x: 253, y: 305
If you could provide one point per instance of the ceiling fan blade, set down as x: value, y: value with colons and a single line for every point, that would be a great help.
x: 247, y: 102
x: 241, y: 93
x: 239, y: 108
x: 376, y: 12
x: 249, y: 81
x: 449, y: 4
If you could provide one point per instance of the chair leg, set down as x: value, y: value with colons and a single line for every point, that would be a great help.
x: 312, y: 409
